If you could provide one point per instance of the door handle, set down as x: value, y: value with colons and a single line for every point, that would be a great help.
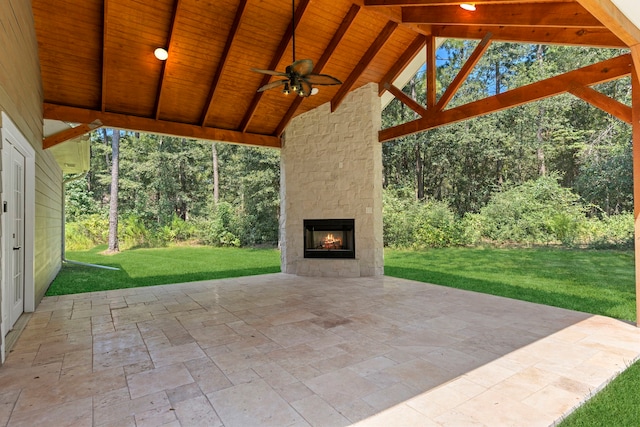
x: 18, y: 248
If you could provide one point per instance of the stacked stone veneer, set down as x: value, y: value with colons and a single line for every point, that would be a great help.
x: 331, y: 167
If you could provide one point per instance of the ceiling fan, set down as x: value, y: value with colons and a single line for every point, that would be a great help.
x: 298, y: 77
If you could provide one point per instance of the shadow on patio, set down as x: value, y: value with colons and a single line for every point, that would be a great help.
x: 282, y: 350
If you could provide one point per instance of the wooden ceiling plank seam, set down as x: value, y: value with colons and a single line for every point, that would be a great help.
x: 609, y: 14
x: 169, y: 46
x: 565, y: 15
x: 103, y: 88
x: 407, y: 56
x: 348, y: 19
x: 406, y: 99
x: 67, y: 134
x: 364, y: 62
x: 146, y: 124
x: 538, y: 35
x: 431, y: 72
x: 280, y: 51
x: 448, y: 2
x: 464, y: 72
x: 601, y: 72
x: 602, y: 101
x: 242, y: 6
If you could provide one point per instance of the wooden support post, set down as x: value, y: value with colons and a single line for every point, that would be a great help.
x: 431, y: 72
x: 635, y: 119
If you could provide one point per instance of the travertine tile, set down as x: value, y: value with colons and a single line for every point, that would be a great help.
x: 159, y: 379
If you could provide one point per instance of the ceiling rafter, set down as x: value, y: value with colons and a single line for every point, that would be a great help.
x: 169, y: 46
x: 601, y: 72
x: 364, y: 62
x: 414, y: 48
x: 616, y: 21
x: 547, y: 35
x: 144, y: 124
x: 464, y: 72
x: 67, y: 134
x: 602, y: 101
x: 326, y: 55
x: 223, y: 60
x: 406, y: 99
x: 280, y: 51
x: 564, y: 15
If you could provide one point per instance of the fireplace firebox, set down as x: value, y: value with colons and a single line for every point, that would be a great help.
x: 329, y: 238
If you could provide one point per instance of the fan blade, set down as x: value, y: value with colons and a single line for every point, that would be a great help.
x: 270, y: 72
x: 322, y: 79
x: 306, y: 87
x: 272, y: 85
x: 302, y: 67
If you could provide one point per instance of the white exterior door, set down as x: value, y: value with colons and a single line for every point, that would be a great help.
x: 17, y: 236
x: 13, y: 203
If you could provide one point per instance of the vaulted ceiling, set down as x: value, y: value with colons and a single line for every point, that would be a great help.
x: 98, y: 66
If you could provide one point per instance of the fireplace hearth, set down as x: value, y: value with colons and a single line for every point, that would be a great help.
x: 329, y: 238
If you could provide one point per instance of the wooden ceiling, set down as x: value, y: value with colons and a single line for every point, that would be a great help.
x: 97, y: 61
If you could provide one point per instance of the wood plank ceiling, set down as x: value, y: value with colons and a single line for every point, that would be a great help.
x: 97, y: 61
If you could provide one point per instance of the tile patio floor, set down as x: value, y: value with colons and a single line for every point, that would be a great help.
x: 281, y: 350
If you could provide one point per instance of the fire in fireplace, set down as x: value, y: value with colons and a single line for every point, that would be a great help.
x: 329, y: 238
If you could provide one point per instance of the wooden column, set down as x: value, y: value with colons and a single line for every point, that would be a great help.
x: 635, y: 117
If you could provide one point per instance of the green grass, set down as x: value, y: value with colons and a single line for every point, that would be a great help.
x: 147, y: 267
x: 592, y: 281
x: 617, y: 404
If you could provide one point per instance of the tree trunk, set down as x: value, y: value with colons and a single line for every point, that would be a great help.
x: 216, y: 177
x: 113, y: 202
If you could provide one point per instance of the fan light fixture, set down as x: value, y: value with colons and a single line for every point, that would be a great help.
x: 468, y: 6
x: 298, y: 77
x: 161, y: 53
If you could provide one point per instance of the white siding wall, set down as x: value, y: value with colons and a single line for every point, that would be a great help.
x: 21, y: 98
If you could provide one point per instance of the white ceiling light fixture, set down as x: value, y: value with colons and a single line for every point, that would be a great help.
x: 468, y: 6
x: 161, y: 53
x: 314, y: 91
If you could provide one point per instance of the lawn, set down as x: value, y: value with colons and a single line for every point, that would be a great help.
x: 160, y: 266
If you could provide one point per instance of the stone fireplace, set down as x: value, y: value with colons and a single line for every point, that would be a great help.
x: 331, y: 170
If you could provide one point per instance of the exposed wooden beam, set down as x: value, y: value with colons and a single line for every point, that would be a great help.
x: 635, y: 131
x: 223, y: 59
x: 406, y: 99
x: 597, y: 99
x: 431, y: 72
x: 609, y: 14
x: 284, y: 42
x: 103, y: 86
x: 564, y: 15
x: 448, y: 2
x: 68, y: 134
x: 142, y: 124
x: 464, y: 72
x: 168, y: 46
x: 595, y: 37
x: 364, y: 62
x: 593, y: 74
x: 414, y: 48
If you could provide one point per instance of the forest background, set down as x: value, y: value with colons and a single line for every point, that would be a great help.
x: 554, y: 172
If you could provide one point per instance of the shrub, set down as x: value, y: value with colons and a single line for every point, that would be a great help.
x: 539, y: 211
x: 612, y: 231
x: 87, y: 232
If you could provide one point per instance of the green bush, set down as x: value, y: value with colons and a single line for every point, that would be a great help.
x: 220, y: 229
x: 539, y: 211
x: 612, y: 231
x: 87, y: 232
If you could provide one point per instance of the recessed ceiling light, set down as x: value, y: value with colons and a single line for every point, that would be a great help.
x: 468, y: 6
x: 161, y: 53
x: 314, y: 90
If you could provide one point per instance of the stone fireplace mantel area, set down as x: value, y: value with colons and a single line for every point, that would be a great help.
x: 331, y: 168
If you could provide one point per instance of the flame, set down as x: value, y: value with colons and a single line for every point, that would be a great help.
x: 331, y: 242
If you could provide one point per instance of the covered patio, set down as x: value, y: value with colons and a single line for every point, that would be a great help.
x: 284, y: 350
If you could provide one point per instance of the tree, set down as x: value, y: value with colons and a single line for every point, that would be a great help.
x: 113, y: 201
